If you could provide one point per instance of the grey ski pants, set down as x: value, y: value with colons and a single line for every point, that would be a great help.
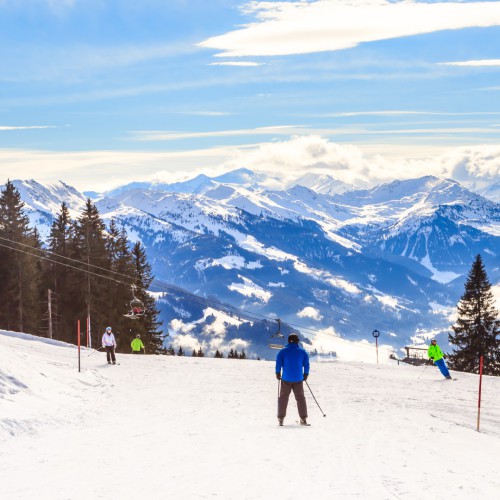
x: 298, y: 391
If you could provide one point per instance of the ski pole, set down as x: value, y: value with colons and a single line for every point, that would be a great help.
x: 94, y: 351
x: 423, y: 371
x: 314, y: 398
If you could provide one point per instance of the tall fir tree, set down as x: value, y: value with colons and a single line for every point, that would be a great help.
x: 123, y: 267
x: 90, y: 288
x: 59, y: 277
x: 38, y: 310
x: 148, y: 323
x: 477, y: 329
x: 19, y: 265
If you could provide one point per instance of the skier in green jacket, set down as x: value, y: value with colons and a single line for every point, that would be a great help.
x: 137, y: 345
x: 437, y: 357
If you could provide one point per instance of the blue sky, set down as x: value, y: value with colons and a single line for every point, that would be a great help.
x: 98, y: 92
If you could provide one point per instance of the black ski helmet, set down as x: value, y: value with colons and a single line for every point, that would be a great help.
x: 293, y: 338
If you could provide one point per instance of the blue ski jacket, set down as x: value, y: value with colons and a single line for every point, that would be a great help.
x: 294, y: 361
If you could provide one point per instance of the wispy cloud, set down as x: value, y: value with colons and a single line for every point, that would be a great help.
x: 204, y: 113
x: 158, y: 135
x: 355, y: 133
x: 27, y: 127
x: 76, y: 62
x: 284, y: 28
x: 405, y: 113
x: 236, y: 63
x: 477, y: 63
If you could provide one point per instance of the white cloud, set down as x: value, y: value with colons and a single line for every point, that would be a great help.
x: 310, y: 312
x: 105, y: 169
x: 327, y: 340
x: 177, y: 326
x: 27, y: 127
x: 477, y: 63
x: 286, y: 160
x: 350, y: 164
x: 495, y: 289
x: 236, y: 63
x: 283, y: 28
x: 187, y: 342
x: 158, y: 135
x: 408, y: 113
x: 204, y: 113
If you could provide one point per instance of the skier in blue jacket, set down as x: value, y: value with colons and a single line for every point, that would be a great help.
x: 292, y: 368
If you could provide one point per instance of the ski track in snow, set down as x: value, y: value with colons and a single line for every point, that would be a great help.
x: 158, y: 427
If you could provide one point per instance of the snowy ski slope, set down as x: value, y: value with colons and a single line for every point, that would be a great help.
x: 157, y: 427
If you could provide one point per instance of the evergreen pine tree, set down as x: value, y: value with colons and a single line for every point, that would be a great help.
x: 38, y: 308
x: 20, y: 292
x: 243, y: 355
x: 120, y: 295
x: 180, y: 352
x: 477, y: 329
x: 151, y: 333
x: 91, y: 292
x: 200, y: 353
x: 194, y: 354
x: 58, y: 277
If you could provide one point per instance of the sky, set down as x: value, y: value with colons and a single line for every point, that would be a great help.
x: 98, y: 93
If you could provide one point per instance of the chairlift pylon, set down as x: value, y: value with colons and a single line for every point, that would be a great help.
x: 280, y: 342
x: 136, y: 308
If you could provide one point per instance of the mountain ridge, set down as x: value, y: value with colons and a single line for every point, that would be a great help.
x: 392, y: 257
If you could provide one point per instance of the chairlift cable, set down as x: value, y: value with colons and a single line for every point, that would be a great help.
x: 159, y: 284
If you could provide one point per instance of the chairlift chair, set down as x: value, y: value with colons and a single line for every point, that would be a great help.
x: 279, y: 343
x: 136, y: 307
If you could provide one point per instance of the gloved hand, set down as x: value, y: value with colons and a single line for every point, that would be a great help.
x: 431, y: 361
x: 278, y: 376
x: 305, y: 376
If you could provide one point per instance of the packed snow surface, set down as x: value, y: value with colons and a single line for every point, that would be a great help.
x: 157, y: 427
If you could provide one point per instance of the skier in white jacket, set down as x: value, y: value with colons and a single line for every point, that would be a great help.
x: 109, y: 343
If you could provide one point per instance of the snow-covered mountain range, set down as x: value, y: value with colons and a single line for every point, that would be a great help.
x: 321, y: 256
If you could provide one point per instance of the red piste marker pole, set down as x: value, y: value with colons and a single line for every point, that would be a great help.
x: 479, y: 397
x: 78, y: 345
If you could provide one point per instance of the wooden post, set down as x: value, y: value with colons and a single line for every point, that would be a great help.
x: 479, y: 397
x: 79, y: 345
x: 50, y: 312
x: 89, y: 335
x: 376, y: 334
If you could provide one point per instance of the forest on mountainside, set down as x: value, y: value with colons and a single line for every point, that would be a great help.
x: 84, y: 270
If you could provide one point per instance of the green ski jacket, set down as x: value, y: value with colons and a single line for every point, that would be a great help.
x: 137, y: 345
x: 435, y: 352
